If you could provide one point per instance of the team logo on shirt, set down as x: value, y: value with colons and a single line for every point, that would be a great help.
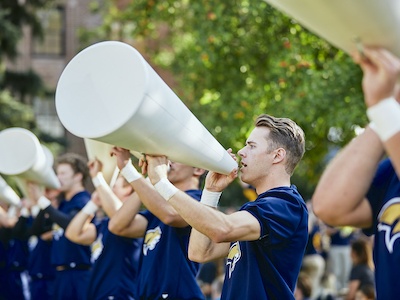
x: 233, y: 257
x: 151, y: 239
x: 57, y: 232
x: 389, y: 222
x: 32, y: 242
x: 96, y: 248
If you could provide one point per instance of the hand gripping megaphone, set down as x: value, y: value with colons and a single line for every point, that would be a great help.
x: 347, y: 24
x: 23, y: 156
x: 7, y: 194
x: 109, y: 93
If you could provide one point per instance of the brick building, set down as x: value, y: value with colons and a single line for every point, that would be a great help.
x: 61, y: 22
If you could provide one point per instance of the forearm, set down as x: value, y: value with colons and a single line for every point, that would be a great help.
x: 385, y: 117
x: 203, y: 249
x: 58, y: 217
x: 392, y: 147
x: 153, y: 201
x: 78, y: 226
x: 109, y: 201
x: 125, y: 216
x: 205, y: 219
x: 346, y: 180
x: 39, y: 224
x: 21, y: 229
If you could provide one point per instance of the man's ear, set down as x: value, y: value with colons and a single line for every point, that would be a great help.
x: 280, y: 155
x: 79, y: 176
x: 198, y: 171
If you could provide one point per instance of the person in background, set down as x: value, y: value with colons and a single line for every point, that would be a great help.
x: 338, y: 256
x: 72, y: 261
x: 366, y: 292
x: 313, y: 262
x: 362, y: 270
x: 165, y: 233
x: 116, y: 259
x: 41, y: 271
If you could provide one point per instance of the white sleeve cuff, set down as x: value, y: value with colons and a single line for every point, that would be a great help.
x: 130, y: 173
x: 385, y: 117
x: 166, y: 189
x: 43, y: 202
x: 210, y: 198
x: 90, y: 208
x: 99, y: 180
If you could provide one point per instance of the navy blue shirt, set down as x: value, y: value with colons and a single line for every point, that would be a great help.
x: 268, y: 268
x: 115, y: 270
x: 165, y: 270
x: 384, y: 197
x: 65, y: 252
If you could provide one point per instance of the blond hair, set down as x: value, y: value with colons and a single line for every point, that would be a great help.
x: 286, y: 134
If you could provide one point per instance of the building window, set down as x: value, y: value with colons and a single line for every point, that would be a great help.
x: 46, y: 117
x: 53, y: 23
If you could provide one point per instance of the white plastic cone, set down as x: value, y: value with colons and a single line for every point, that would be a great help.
x: 7, y: 194
x: 343, y: 22
x: 23, y: 156
x: 109, y: 93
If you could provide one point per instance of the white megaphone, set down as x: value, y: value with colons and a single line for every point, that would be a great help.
x: 347, y: 24
x: 109, y: 93
x: 101, y: 151
x: 23, y: 156
x: 7, y: 194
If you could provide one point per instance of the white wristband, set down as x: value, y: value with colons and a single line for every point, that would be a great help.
x: 43, y: 202
x: 99, y: 180
x: 130, y: 173
x: 210, y: 198
x: 386, y: 118
x: 25, y: 212
x: 12, y: 211
x: 35, y: 210
x: 166, y: 188
x: 90, y: 208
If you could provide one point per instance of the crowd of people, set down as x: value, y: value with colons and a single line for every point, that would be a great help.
x: 157, y: 234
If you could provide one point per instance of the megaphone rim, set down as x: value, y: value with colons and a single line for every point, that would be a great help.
x: 32, y: 159
x: 62, y: 89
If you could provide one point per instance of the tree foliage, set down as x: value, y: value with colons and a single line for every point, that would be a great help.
x: 234, y: 60
x: 15, y: 87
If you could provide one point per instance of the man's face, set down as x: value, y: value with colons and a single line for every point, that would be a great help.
x: 179, y: 172
x: 67, y: 178
x: 255, y: 159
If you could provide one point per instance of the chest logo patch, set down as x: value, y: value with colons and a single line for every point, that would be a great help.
x: 233, y: 257
x: 151, y: 239
x: 389, y: 222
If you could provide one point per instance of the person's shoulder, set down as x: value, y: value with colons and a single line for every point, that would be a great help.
x: 80, y: 198
x: 284, y: 193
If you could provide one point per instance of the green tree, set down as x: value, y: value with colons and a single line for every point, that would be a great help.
x: 17, y: 87
x: 233, y: 60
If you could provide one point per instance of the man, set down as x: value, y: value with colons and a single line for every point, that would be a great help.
x: 165, y: 271
x: 116, y: 259
x: 264, y: 241
x: 359, y: 190
x: 72, y: 261
x: 41, y: 271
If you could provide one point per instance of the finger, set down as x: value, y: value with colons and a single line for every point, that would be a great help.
x: 144, y: 167
x: 382, y: 58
